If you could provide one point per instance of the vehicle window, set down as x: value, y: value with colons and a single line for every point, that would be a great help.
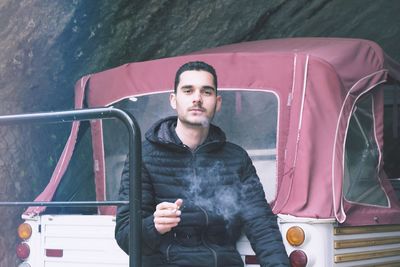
x: 361, y: 179
x: 249, y: 119
x: 78, y: 181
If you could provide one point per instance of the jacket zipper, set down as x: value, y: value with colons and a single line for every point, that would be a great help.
x: 205, y: 242
x: 214, y: 253
x: 167, y: 252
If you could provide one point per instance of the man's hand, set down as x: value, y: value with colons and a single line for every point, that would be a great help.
x: 167, y: 216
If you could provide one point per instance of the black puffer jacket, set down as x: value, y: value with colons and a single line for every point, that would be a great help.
x: 222, y: 196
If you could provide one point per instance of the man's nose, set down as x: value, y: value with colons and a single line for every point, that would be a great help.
x: 197, y: 97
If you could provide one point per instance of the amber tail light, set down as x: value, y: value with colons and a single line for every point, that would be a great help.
x: 24, y: 231
x: 295, y: 236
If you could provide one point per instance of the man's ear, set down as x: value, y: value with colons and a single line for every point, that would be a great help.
x: 172, y: 100
x: 219, y: 103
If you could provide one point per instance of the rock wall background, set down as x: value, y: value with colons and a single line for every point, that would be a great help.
x: 46, y: 45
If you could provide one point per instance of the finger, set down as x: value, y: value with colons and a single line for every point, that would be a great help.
x: 167, y: 213
x: 166, y: 220
x: 165, y: 205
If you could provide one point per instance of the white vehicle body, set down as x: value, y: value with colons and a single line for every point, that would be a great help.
x: 74, y: 240
x: 88, y: 240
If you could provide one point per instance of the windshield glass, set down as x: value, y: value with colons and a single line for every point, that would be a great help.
x: 248, y: 118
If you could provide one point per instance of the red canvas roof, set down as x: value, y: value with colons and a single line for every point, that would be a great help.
x: 251, y: 65
x: 317, y: 81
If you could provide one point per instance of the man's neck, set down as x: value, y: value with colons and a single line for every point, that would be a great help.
x: 191, y: 136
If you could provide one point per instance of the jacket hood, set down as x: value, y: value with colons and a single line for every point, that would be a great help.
x: 162, y: 132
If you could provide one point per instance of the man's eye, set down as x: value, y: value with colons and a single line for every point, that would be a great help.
x: 208, y: 92
x: 186, y: 91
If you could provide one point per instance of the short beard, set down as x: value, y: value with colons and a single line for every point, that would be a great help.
x: 203, y: 123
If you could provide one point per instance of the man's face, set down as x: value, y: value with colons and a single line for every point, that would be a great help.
x: 195, y: 100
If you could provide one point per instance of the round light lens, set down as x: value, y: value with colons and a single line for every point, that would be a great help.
x: 23, y: 251
x: 24, y: 231
x: 298, y: 258
x: 295, y: 236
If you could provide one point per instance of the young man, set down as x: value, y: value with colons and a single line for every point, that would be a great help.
x: 199, y: 191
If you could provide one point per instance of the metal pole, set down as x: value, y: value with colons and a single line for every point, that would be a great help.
x: 69, y: 116
x: 64, y: 203
x: 135, y: 197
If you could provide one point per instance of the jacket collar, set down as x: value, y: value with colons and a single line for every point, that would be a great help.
x: 163, y: 132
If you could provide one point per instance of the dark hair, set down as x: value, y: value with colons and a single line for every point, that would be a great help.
x: 195, y: 65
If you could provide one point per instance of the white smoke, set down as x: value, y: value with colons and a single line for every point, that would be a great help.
x: 208, y: 190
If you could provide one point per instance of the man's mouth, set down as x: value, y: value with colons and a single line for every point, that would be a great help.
x: 197, y: 109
